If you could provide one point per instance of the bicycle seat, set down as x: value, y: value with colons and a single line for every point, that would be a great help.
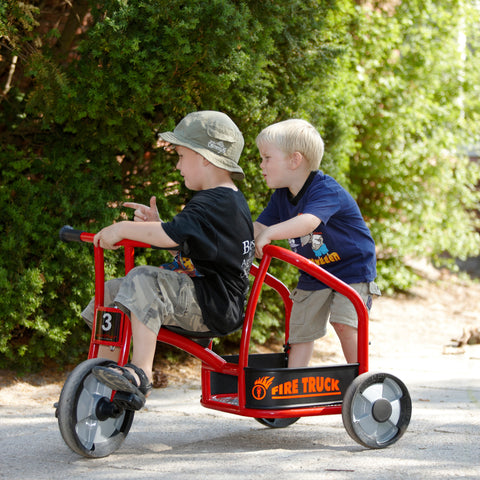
x: 202, y: 338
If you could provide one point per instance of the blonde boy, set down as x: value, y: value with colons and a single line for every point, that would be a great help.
x: 323, y: 223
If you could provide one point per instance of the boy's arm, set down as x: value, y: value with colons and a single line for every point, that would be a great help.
x: 147, y: 232
x: 258, y: 228
x: 292, y: 228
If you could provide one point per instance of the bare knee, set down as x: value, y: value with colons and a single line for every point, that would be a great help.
x: 348, y: 339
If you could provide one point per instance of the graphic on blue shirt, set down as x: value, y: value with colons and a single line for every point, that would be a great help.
x: 318, y: 245
x: 313, y: 243
x: 315, y: 240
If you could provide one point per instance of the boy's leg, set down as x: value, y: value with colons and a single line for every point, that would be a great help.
x: 344, y: 319
x: 300, y: 354
x: 144, y: 346
x: 308, y: 322
x: 142, y: 356
x: 111, y: 289
x: 157, y: 297
x: 348, y: 339
x: 108, y: 353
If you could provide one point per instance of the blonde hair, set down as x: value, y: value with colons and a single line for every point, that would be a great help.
x: 294, y: 135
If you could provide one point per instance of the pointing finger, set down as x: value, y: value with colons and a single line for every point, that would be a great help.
x: 132, y: 205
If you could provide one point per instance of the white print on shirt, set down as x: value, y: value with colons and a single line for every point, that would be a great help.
x: 248, y: 246
x: 248, y: 253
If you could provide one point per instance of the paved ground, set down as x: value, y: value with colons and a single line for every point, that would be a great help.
x: 176, y: 438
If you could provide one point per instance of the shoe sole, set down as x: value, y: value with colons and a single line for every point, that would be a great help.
x: 116, y: 381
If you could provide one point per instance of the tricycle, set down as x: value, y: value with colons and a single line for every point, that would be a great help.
x: 375, y: 406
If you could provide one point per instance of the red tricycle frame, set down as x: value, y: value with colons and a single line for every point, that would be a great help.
x: 212, y: 362
x: 375, y: 407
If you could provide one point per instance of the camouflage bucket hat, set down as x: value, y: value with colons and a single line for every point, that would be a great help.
x: 214, y: 136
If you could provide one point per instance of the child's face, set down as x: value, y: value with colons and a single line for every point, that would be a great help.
x: 276, y: 166
x: 191, y: 166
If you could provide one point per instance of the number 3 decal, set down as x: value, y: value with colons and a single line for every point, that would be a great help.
x: 107, y: 322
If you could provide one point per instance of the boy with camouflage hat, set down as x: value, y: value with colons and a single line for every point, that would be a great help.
x: 213, y: 235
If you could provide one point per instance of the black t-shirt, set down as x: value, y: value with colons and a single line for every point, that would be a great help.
x: 215, y: 231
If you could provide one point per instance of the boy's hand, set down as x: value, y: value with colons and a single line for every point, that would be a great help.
x: 108, y: 237
x: 144, y: 213
x: 261, y: 240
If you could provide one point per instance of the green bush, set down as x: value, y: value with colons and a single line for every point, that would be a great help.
x: 409, y: 174
x: 80, y: 130
x: 79, y: 116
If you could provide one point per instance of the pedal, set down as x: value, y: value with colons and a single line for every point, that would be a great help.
x: 128, y: 401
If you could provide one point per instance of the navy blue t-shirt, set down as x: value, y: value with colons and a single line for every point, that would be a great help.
x: 342, y: 243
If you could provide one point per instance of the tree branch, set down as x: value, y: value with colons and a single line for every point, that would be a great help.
x: 75, y: 18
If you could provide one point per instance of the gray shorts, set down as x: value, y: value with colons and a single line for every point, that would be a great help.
x: 156, y: 297
x: 312, y: 309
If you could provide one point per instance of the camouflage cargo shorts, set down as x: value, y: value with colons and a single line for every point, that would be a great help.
x: 156, y: 297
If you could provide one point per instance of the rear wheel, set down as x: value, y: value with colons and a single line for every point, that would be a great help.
x: 277, y: 422
x: 90, y: 424
x: 376, y: 409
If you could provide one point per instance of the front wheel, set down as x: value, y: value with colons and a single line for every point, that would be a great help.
x: 376, y: 409
x: 90, y: 424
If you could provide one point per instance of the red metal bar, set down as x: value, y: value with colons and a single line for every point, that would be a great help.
x: 336, y: 284
x: 125, y: 349
x: 99, y: 290
x: 129, y: 253
x: 99, y: 259
x: 212, y: 362
x: 282, y: 290
x: 99, y: 276
x: 217, y: 404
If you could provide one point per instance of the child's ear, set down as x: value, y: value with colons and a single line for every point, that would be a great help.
x: 296, y: 160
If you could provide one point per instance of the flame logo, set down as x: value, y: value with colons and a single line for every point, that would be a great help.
x: 260, y: 387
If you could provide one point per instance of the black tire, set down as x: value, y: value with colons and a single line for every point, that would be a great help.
x: 90, y: 424
x: 376, y: 409
x: 277, y: 422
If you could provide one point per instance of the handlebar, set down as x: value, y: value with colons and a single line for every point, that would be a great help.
x: 70, y: 234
